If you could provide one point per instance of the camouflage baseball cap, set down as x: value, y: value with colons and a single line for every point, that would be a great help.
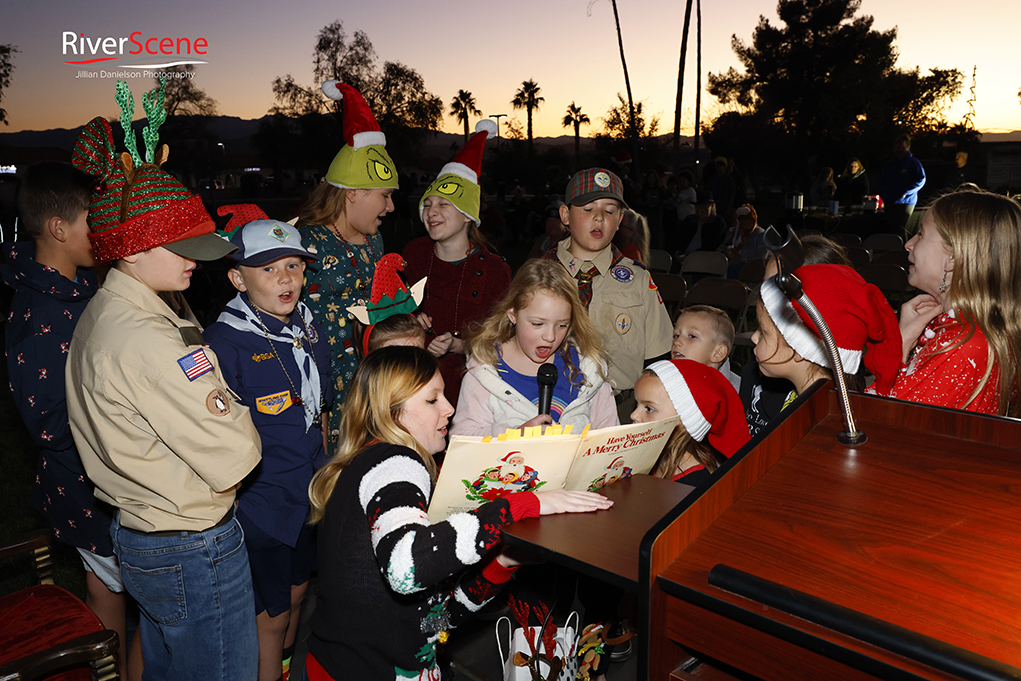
x: 595, y: 183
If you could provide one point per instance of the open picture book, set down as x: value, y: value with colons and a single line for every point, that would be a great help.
x: 481, y: 469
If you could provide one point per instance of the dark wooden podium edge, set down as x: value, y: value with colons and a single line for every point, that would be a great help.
x: 732, y: 480
x: 664, y: 541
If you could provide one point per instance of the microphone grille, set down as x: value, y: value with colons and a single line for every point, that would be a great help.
x: 547, y: 375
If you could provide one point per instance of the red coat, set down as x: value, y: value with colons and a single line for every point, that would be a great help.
x: 948, y: 379
x: 457, y: 295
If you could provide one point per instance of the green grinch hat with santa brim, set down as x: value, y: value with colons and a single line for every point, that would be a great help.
x: 362, y: 163
x: 458, y: 181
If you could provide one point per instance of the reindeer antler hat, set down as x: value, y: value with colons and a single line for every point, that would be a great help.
x: 135, y: 204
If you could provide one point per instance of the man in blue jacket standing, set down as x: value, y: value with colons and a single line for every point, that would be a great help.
x: 902, y: 178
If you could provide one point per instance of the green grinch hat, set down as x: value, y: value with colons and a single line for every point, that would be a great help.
x: 136, y: 205
x: 458, y: 181
x: 362, y: 163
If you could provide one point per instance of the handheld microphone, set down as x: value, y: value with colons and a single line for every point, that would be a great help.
x: 547, y: 378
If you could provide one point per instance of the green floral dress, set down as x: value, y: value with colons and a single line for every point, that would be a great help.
x: 341, y: 278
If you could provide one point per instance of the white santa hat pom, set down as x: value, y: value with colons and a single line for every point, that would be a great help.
x: 331, y: 90
x: 487, y: 124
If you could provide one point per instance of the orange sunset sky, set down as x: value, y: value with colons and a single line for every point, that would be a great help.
x: 487, y: 49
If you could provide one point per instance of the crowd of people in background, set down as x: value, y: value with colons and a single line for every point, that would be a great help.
x: 300, y: 432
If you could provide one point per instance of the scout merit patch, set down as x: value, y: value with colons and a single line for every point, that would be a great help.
x: 217, y: 403
x: 622, y: 273
x: 273, y: 404
x: 278, y: 233
x: 623, y: 323
x: 194, y: 364
x: 652, y: 287
x: 602, y: 180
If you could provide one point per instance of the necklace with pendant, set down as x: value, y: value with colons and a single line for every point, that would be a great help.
x: 456, y: 331
x: 297, y: 342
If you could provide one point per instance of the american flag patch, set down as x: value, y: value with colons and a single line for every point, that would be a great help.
x: 195, y: 364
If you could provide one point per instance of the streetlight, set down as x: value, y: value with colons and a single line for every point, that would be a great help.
x: 497, y: 117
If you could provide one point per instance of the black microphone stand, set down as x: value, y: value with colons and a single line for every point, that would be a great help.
x: 789, y: 257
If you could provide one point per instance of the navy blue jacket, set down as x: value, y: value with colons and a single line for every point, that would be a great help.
x: 901, y: 180
x: 45, y: 309
x: 275, y: 494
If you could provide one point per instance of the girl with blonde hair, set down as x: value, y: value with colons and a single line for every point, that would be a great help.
x: 390, y: 584
x: 962, y: 336
x: 540, y: 321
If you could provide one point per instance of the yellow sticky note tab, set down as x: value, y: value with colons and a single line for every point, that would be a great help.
x: 513, y: 434
x: 501, y: 437
x: 585, y: 432
x: 556, y: 430
x: 488, y: 438
x: 568, y: 428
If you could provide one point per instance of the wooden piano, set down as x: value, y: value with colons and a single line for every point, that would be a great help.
x: 900, y: 559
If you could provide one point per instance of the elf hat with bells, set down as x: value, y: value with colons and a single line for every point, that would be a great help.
x: 389, y: 296
x: 136, y: 205
x: 362, y: 163
x: 458, y: 181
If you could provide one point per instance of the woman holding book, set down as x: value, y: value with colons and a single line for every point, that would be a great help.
x: 390, y: 584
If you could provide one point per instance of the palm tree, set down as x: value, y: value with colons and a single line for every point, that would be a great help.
x: 680, y: 81
x: 462, y: 107
x: 527, y: 98
x: 575, y: 117
x: 627, y: 85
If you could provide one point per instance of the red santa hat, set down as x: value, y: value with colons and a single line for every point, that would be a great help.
x: 706, y: 402
x: 858, y: 316
x: 468, y: 162
x: 360, y: 127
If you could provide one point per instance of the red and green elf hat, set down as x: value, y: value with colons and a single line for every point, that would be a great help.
x: 136, y: 205
x: 389, y: 295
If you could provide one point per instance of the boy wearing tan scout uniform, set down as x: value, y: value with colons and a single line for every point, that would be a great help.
x: 159, y: 432
x: 620, y: 295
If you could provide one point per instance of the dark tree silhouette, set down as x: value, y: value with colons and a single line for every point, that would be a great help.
x: 575, y: 117
x: 396, y: 93
x: 463, y: 107
x: 6, y: 66
x: 826, y: 72
x: 527, y: 98
x: 184, y: 98
x: 616, y: 123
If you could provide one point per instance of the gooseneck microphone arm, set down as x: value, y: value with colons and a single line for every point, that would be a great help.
x: 789, y: 256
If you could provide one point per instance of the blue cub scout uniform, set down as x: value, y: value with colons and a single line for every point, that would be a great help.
x: 270, y: 367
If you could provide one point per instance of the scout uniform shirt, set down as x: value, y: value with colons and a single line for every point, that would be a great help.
x: 158, y: 430
x: 268, y: 365
x: 627, y: 311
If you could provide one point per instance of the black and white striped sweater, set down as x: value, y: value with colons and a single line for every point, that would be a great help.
x: 389, y: 582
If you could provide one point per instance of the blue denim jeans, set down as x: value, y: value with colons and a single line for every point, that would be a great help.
x: 198, y: 608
